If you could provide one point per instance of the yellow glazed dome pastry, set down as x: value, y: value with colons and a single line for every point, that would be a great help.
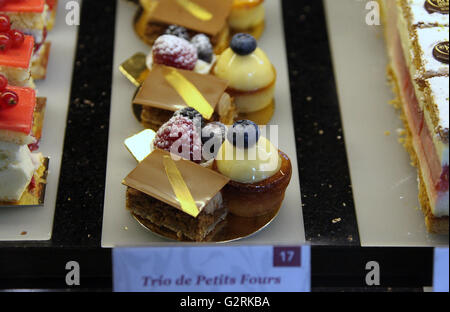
x: 250, y: 74
x: 259, y: 173
x: 247, y: 16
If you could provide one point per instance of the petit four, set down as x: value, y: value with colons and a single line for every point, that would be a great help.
x: 247, y: 16
x: 179, y: 197
x: 15, y: 61
x: 158, y: 17
x: 417, y: 43
x: 22, y: 173
x: 259, y: 173
x: 160, y: 98
x: 250, y: 74
x: 31, y: 17
x: 16, y: 122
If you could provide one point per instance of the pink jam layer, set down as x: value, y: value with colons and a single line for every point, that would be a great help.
x: 431, y: 167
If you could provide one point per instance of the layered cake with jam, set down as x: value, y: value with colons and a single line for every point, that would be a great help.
x: 160, y: 97
x: 417, y: 37
x: 259, y: 173
x: 180, y: 199
x: 31, y: 17
x: 22, y: 173
x: 247, y: 16
x: 251, y: 77
x: 194, y: 16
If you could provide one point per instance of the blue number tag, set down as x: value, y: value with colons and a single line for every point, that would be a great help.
x: 440, y: 279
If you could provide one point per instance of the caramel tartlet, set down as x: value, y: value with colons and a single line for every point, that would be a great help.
x: 258, y: 177
x: 262, y: 197
x: 159, y: 100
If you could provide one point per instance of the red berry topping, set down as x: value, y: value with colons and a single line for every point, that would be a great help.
x: 180, y: 137
x: 32, y: 184
x: 5, y: 23
x: 3, y: 83
x: 173, y: 51
x: 17, y: 38
x: 5, y: 41
x: 8, y: 99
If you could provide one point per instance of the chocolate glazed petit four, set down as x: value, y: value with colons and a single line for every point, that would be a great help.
x: 160, y: 99
x: 181, y: 199
x: 194, y: 16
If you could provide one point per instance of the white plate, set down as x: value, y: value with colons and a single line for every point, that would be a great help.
x: 384, y: 183
x: 37, y: 222
x: 119, y: 228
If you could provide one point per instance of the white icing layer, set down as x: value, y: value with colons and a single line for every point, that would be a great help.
x: 16, y: 170
x: 428, y: 38
x: 420, y: 16
x: 440, y: 93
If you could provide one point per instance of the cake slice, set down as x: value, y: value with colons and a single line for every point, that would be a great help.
x: 31, y: 18
x: 15, y: 63
x: 16, y: 123
x: 151, y: 198
x: 417, y: 42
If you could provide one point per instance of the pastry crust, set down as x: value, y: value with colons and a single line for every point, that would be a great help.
x: 260, y: 198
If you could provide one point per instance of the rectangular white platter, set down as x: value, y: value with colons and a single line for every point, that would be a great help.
x: 119, y: 228
x: 36, y: 223
x: 384, y: 182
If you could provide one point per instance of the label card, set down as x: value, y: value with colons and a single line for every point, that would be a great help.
x: 212, y: 269
x: 441, y: 271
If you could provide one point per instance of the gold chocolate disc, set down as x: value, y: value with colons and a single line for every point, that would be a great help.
x: 440, y: 52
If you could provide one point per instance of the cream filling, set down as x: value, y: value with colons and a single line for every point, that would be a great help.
x: 254, y: 101
x: 245, y: 73
x: 16, y: 170
x: 251, y: 165
x: 16, y: 76
x: 245, y: 18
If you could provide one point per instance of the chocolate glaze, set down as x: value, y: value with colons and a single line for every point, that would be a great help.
x: 150, y: 178
x: 170, y: 12
x: 157, y: 92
